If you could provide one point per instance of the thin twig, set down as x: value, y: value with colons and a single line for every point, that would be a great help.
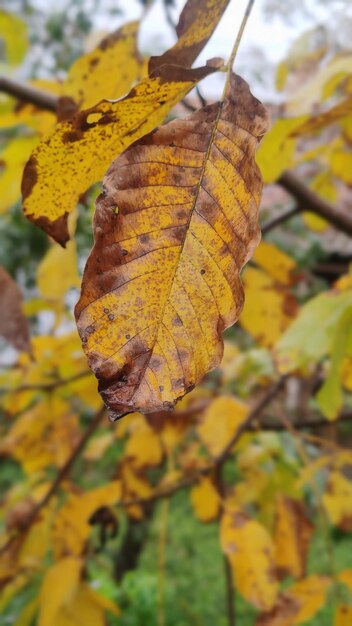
x: 308, y: 200
x: 60, y: 477
x: 283, y: 216
x: 61, y: 382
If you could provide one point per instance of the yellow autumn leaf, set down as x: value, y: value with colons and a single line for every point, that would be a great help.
x: 205, y: 500
x: 275, y: 262
x: 345, y: 576
x: 143, y: 448
x: 13, y: 32
x: 78, y: 151
x: 196, y: 24
x: 12, y: 161
x: 269, y: 307
x: 85, y: 607
x: 293, y: 531
x: 72, y: 527
x: 179, y: 265
x: 276, y: 152
x: 43, y: 435
x: 249, y: 548
x: 98, y: 446
x: 322, y: 84
x: 337, y: 498
x: 323, y: 185
x: 341, y: 165
x: 343, y: 615
x: 221, y: 421
x: 311, y: 594
x: 57, y: 272
x: 58, y: 588
x: 108, y: 71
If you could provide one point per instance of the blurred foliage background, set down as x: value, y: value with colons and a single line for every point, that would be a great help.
x: 160, y: 561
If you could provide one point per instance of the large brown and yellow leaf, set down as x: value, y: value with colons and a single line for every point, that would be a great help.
x: 197, y: 23
x: 163, y: 279
x: 106, y: 72
x: 78, y: 151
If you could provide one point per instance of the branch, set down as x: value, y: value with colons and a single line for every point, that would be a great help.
x: 60, y: 477
x: 61, y: 382
x: 308, y: 200
x: 28, y: 93
x: 283, y: 216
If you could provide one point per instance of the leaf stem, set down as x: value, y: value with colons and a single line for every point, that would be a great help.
x: 236, y: 45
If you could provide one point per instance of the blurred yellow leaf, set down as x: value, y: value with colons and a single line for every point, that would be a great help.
x: 343, y: 615
x: 58, y: 589
x: 220, y: 422
x: 311, y: 594
x: 293, y: 531
x: 269, y: 307
x: 341, y: 165
x: 250, y: 551
x: 275, y: 262
x: 12, y: 162
x: 98, y: 446
x: 276, y: 152
x: 72, y: 527
x: 337, y: 499
x: 205, y: 500
x: 323, y: 185
x: 13, y: 32
x: 143, y: 447
x: 108, y: 71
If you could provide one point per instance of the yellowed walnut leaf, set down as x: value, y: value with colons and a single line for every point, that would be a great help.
x: 162, y: 281
x: 277, y: 150
x: 282, y: 614
x: 293, y: 531
x: 337, y: 499
x: 78, y: 151
x: 311, y: 594
x: 13, y: 32
x: 108, y: 71
x: 269, y: 308
x: 319, y: 122
x: 72, y: 527
x: 143, y: 447
x: 220, y: 422
x: 205, y: 500
x: 275, y: 262
x: 12, y: 162
x: 197, y: 22
x: 343, y: 615
x: 13, y: 324
x: 250, y: 551
x: 341, y: 165
x: 59, y: 586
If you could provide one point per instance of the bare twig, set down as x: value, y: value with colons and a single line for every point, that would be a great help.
x: 308, y: 200
x: 61, y: 475
x: 28, y: 93
x: 61, y: 382
x: 281, y: 217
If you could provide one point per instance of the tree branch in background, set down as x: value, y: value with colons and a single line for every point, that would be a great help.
x: 280, y: 218
x: 308, y: 200
x: 28, y: 93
